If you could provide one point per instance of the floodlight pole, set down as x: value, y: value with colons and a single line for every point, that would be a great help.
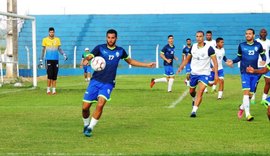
x: 34, y: 46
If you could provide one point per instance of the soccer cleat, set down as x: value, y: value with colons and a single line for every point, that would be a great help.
x: 219, y: 98
x: 193, y: 114
x: 48, y: 93
x: 85, y: 128
x: 152, y: 83
x: 240, y: 113
x: 250, y: 118
x: 88, y: 132
x: 54, y: 93
x: 264, y: 103
x: 252, y: 102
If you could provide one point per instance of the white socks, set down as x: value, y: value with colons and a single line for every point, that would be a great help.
x: 194, y: 109
x: 253, y: 97
x: 86, y: 121
x: 53, y: 90
x: 93, y: 123
x: 161, y: 80
x: 246, y: 105
x: 214, y: 87
x: 170, y: 84
x: 264, y: 96
x: 220, y: 94
x: 48, y: 89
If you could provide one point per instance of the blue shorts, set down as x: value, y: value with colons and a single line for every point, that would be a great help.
x: 86, y: 69
x: 188, y: 69
x: 249, y: 81
x: 212, y: 75
x: 195, y: 79
x: 169, y: 71
x: 96, y: 89
x: 267, y: 75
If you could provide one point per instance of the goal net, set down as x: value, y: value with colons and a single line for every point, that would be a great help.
x: 17, y: 50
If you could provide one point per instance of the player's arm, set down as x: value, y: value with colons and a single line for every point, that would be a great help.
x: 42, y: 55
x: 139, y: 64
x: 263, y: 56
x: 164, y: 58
x: 258, y: 71
x: 212, y: 54
x: 239, y: 56
x: 184, y: 63
x: 183, y: 55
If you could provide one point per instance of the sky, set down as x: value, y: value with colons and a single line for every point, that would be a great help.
x: 36, y: 7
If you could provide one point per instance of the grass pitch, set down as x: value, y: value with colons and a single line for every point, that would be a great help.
x: 137, y: 121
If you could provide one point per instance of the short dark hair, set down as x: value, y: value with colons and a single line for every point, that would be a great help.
x: 208, y: 32
x: 112, y: 31
x: 170, y: 36
x: 51, y: 29
x: 253, y: 31
x: 200, y: 32
x: 219, y: 39
x: 188, y: 39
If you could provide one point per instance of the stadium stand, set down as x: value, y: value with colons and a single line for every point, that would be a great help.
x: 142, y: 32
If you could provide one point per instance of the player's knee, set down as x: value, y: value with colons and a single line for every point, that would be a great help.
x: 192, y: 93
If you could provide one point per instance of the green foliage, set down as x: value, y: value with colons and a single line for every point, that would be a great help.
x: 137, y: 121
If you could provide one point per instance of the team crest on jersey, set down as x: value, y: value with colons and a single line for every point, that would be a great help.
x: 117, y: 54
x: 256, y: 48
x: 108, y: 91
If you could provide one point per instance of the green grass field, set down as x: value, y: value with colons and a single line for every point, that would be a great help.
x: 137, y: 121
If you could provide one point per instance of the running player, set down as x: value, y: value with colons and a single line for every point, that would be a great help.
x: 86, y: 68
x: 200, y: 55
x: 248, y: 54
x: 186, y: 50
x: 167, y: 54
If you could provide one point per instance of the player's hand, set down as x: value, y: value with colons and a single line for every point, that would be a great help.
x: 176, y: 58
x: 65, y: 57
x: 250, y: 69
x: 178, y: 71
x: 151, y: 65
x: 168, y: 60
x: 262, y: 63
x: 229, y: 63
x: 80, y: 66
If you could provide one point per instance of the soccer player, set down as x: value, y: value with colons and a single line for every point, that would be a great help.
x: 263, y: 70
x: 103, y: 82
x: 51, y: 45
x: 209, y: 40
x: 248, y: 54
x: 184, y: 56
x: 86, y: 68
x: 167, y: 54
x: 266, y: 48
x: 200, y: 55
x: 220, y: 54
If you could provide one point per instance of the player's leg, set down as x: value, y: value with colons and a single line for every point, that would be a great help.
x: 266, y: 85
x: 85, y: 72
x: 188, y: 70
x: 170, y: 78
x: 198, y: 100
x: 220, y: 83
x: 49, y: 76
x: 252, y: 101
x: 86, y: 114
x: 163, y: 79
x: 266, y: 103
x: 212, y: 82
x: 220, y: 87
x: 54, y: 76
x: 104, y: 93
x: 88, y: 73
x: 192, y: 87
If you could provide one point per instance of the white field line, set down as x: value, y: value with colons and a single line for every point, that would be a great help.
x: 173, y: 104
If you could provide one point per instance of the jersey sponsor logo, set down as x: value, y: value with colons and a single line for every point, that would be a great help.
x: 117, y: 54
x: 256, y: 48
x: 251, y: 52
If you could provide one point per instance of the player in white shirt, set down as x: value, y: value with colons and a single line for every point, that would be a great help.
x: 266, y: 48
x: 200, y: 55
x: 209, y: 40
x: 220, y: 54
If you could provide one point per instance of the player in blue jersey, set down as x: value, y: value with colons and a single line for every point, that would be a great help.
x: 103, y: 82
x: 51, y: 45
x: 266, y: 101
x: 248, y: 54
x: 200, y: 55
x: 185, y: 52
x: 86, y: 68
x: 168, y: 55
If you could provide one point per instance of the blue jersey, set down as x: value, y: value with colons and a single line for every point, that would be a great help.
x: 248, y: 54
x: 112, y: 58
x: 186, y: 51
x: 168, y: 52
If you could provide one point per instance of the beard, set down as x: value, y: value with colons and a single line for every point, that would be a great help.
x: 111, y: 44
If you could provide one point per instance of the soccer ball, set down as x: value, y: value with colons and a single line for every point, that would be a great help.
x: 98, y: 63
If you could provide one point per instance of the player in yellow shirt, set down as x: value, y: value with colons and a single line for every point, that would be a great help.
x: 51, y: 46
